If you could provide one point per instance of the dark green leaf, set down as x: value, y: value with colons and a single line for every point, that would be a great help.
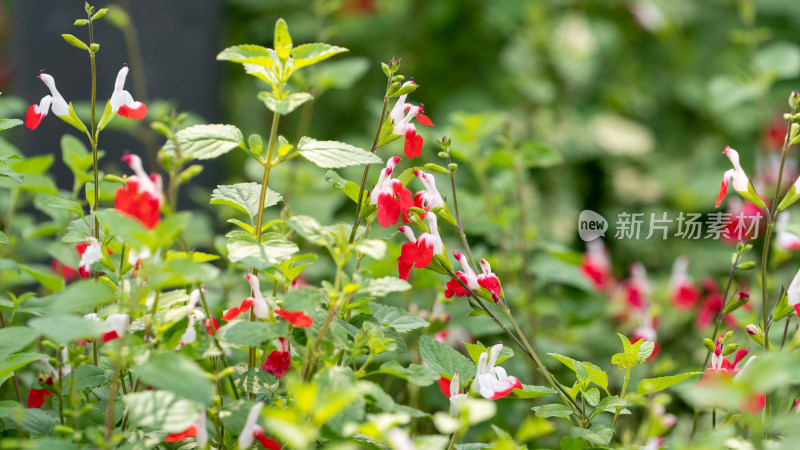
x: 333, y: 154
x: 244, y: 197
x: 444, y: 359
x: 178, y: 374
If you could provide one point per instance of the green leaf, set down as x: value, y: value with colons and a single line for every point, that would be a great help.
x: 253, y: 380
x: 244, y: 197
x: 414, y: 373
x: 399, y: 319
x: 333, y: 154
x: 44, y: 276
x: 283, y: 41
x: 625, y: 360
x: 88, y: 376
x: 595, y: 374
x: 779, y: 59
x: 552, y: 410
x: 14, y: 339
x: 612, y: 402
x: 75, y: 42
x: 161, y: 410
x: 571, y: 443
x: 348, y: 187
x: 252, y: 54
x: 475, y: 350
x: 204, y: 141
x: 64, y: 329
x: 5, y: 124
x: 243, y: 248
x: 18, y: 361
x: 308, y: 54
x: 81, y: 296
x: 11, y: 173
x: 535, y: 155
x: 596, y: 434
x: 374, y: 248
x: 63, y: 203
x: 178, y: 374
x: 529, y: 391
x: 76, y: 157
x: 592, y: 396
x: 250, y: 334
x: 3, y: 238
x: 381, y: 287
x: 650, y: 385
x: 647, y: 348
x: 285, y: 105
x: 130, y: 230
x: 444, y: 359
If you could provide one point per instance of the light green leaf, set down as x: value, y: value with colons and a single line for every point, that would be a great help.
x: 650, y: 385
x: 18, y: 361
x: 414, y: 373
x: 596, y: 434
x: 88, y: 376
x: 243, y: 248
x: 537, y: 155
x: 81, y: 296
x: 333, y: 154
x: 444, y: 359
x: 5, y: 124
x: 75, y: 42
x: 552, y: 410
x: 286, y: 105
x: 780, y: 60
x: 63, y: 203
x: 46, y: 277
x: 253, y: 54
x: 14, y: 339
x: 253, y: 380
x: 348, y: 187
x: 611, y: 403
x: 244, y: 197
x: 475, y: 350
x: 529, y: 391
x: 595, y: 374
x: 381, y: 287
x: 283, y: 41
x: 592, y: 396
x: 204, y: 141
x: 64, y: 329
x: 161, y: 410
x: 178, y: 374
x: 399, y: 319
x: 250, y: 334
x: 130, y: 230
x: 374, y: 248
x: 308, y: 54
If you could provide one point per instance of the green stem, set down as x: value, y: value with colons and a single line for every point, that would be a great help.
x: 16, y: 380
x: 219, y: 347
x: 331, y: 312
x: 461, y: 232
x: 622, y: 394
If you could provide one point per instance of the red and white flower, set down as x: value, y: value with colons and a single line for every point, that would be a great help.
x: 456, y: 397
x: 418, y: 252
x: 122, y: 101
x: 741, y: 183
x: 392, y: 200
x: 596, y: 265
x: 90, y: 252
x: 429, y: 198
x: 467, y: 277
x: 401, y: 115
x: 489, y: 281
x: 648, y: 333
x: 253, y: 431
x: 793, y: 293
x: 53, y: 101
x: 197, y: 430
x: 257, y: 302
x: 682, y: 290
x: 490, y: 381
x: 722, y: 372
x: 143, y: 194
x: 279, y: 361
x: 116, y: 326
x: 638, y: 287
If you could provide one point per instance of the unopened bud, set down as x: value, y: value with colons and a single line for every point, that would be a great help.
x: 747, y: 265
x: 753, y: 330
x: 794, y: 99
x: 730, y: 349
x: 708, y: 344
x: 453, y: 167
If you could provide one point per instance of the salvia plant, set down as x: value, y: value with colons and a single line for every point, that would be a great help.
x: 134, y: 338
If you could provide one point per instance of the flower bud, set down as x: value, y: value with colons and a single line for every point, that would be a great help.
x: 753, y: 330
x: 794, y: 99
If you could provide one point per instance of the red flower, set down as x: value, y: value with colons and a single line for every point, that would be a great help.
x: 444, y: 386
x: 212, y: 326
x: 64, y: 271
x: 722, y: 372
x: 596, y: 266
x: 418, y: 252
x: 121, y: 100
x: 489, y: 281
x: 648, y: 333
x: 36, y: 397
x: 142, y: 197
x: 55, y: 101
x: 402, y: 113
x: 235, y: 311
x: 455, y: 288
x: 683, y: 293
x: 296, y: 318
x: 279, y: 361
x: 177, y: 437
x: 393, y: 202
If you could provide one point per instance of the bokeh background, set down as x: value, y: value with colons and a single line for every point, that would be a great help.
x: 552, y: 106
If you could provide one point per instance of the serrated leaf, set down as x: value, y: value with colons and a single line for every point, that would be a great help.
x: 248, y: 53
x: 348, y: 187
x: 625, y: 360
x: 308, y: 54
x: 595, y: 374
x: 178, y: 374
x: 286, y: 105
x: 381, y: 287
x: 64, y: 329
x: 3, y: 238
x: 650, y: 385
x: 18, y: 361
x: 597, y: 434
x: 444, y: 359
x: 14, y: 339
x: 65, y: 204
x: 552, y: 410
x: 610, y: 403
x: 88, y: 376
x: 333, y: 154
x: 283, y: 41
x: 204, y: 141
x: 161, y: 410
x: 244, y: 197
x: 80, y: 296
x: 243, y: 248
x: 250, y: 334
x: 374, y: 248
x: 5, y: 124
x: 414, y: 373
x: 399, y: 319
x: 529, y: 391
x: 253, y: 380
